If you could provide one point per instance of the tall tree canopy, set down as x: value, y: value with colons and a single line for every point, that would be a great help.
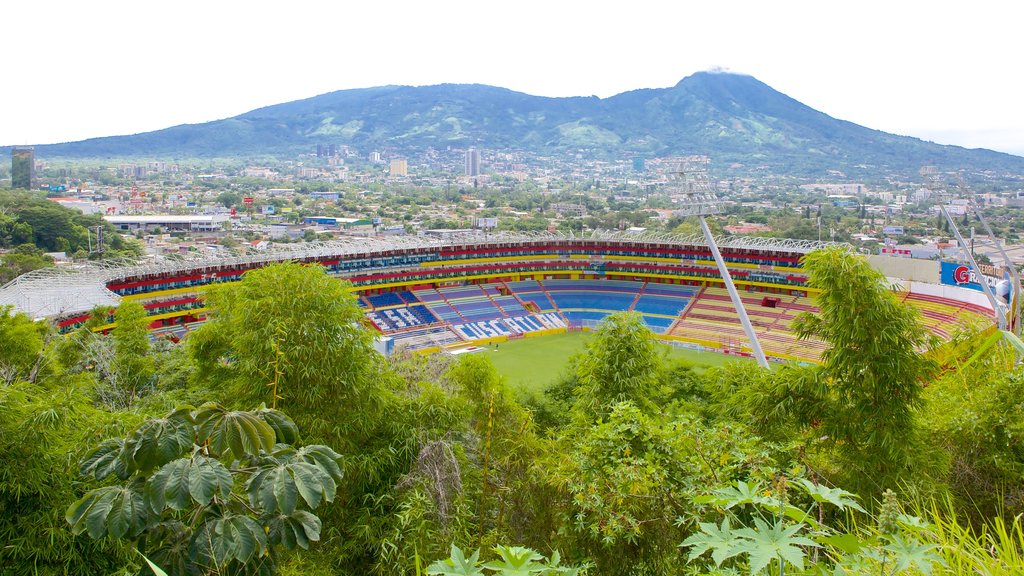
x: 862, y: 398
x: 290, y: 336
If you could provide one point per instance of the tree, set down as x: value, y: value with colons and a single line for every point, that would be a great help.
x: 13, y: 265
x: 46, y: 415
x: 293, y: 337
x: 621, y: 363
x: 862, y: 398
x: 229, y: 199
x: 208, y: 490
x: 131, y: 367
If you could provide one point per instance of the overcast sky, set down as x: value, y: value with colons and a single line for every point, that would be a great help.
x: 946, y: 71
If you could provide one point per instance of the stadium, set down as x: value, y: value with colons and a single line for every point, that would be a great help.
x: 427, y: 294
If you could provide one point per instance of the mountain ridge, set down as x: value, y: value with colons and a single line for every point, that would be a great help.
x: 734, y: 118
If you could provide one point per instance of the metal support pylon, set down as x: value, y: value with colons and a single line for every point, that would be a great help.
x: 689, y: 180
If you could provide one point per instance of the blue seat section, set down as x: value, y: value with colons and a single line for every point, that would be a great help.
x: 514, y: 309
x: 592, y: 299
x: 657, y: 324
x: 594, y: 285
x: 401, y: 318
x: 385, y: 299
x: 579, y: 316
x: 671, y: 289
x: 510, y: 305
x: 539, y: 300
x: 423, y: 314
x: 524, y: 286
x: 458, y: 292
x: 658, y: 304
x: 428, y: 296
x: 476, y: 305
x: 444, y: 312
x: 481, y: 316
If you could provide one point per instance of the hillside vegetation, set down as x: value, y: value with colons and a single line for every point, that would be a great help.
x: 275, y: 440
x: 736, y: 119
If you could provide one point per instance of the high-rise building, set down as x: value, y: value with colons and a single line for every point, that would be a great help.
x: 472, y: 162
x: 326, y: 150
x: 23, y: 168
x: 399, y: 167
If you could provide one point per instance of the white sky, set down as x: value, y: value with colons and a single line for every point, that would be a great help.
x: 947, y: 71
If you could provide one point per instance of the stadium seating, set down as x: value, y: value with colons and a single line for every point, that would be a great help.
x: 466, y: 311
x: 401, y: 318
x: 384, y: 300
x: 712, y: 319
x: 437, y: 336
x: 587, y: 302
x: 943, y: 316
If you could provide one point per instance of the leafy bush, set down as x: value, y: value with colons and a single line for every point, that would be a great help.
x: 207, y: 490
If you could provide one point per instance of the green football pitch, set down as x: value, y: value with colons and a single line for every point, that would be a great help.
x: 531, y: 364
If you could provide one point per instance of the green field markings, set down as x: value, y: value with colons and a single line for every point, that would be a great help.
x: 531, y: 364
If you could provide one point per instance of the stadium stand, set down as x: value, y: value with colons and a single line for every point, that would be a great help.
x: 427, y: 293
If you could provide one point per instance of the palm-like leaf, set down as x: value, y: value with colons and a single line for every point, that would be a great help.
x: 284, y: 429
x: 115, y: 511
x: 323, y: 457
x: 160, y: 441
x: 296, y: 529
x: 177, y: 484
x: 106, y: 459
x: 730, y: 496
x: 836, y: 496
x: 764, y: 543
x: 720, y: 540
x: 231, y: 537
x: 516, y: 561
x: 911, y: 553
x: 233, y: 434
x: 276, y: 488
x: 457, y: 564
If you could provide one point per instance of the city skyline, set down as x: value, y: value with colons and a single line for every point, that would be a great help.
x: 938, y: 71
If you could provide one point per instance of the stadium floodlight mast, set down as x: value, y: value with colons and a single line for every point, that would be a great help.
x: 690, y: 187
x: 939, y: 192
x: 998, y: 308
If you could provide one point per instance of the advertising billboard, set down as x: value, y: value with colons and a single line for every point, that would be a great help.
x: 961, y: 275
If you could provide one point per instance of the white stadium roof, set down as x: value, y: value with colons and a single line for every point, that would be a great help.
x: 63, y: 290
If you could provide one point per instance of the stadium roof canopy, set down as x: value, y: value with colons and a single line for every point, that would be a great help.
x: 63, y: 290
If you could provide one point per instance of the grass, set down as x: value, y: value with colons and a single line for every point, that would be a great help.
x: 533, y: 363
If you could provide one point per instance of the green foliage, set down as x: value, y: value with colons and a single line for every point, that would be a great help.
x: 14, y: 264
x: 512, y: 561
x: 29, y: 218
x: 46, y: 416
x: 761, y: 529
x: 621, y: 363
x: 290, y: 336
x: 627, y: 479
x: 131, y: 367
x: 974, y: 418
x: 861, y: 400
x: 208, y: 490
x: 21, y: 346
